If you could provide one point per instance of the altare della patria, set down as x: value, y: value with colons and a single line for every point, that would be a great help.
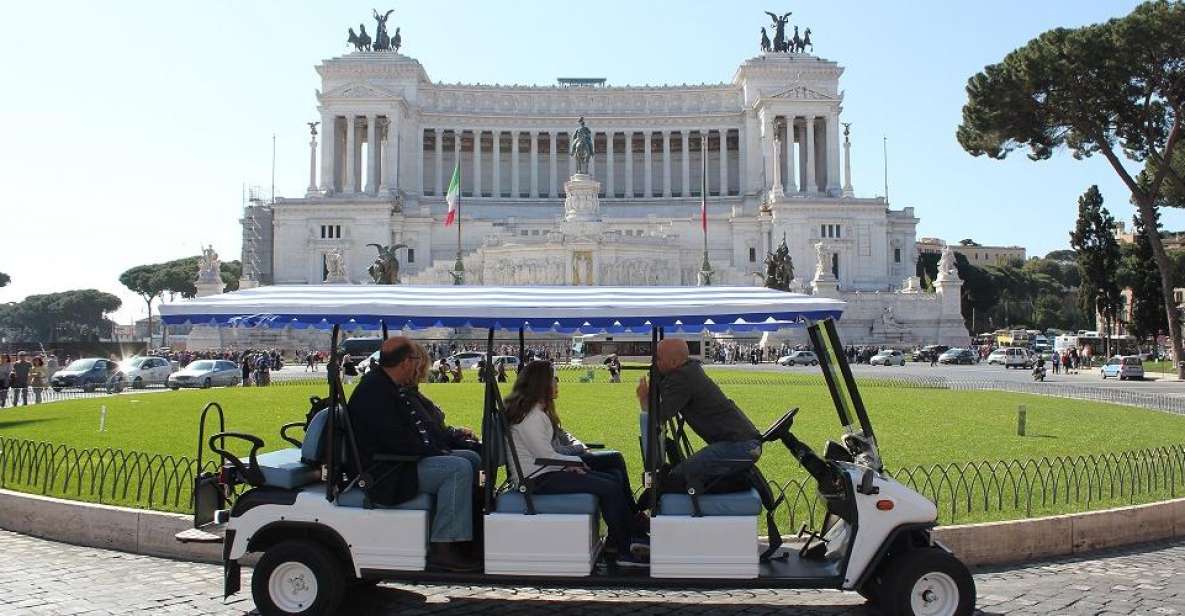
x: 586, y: 183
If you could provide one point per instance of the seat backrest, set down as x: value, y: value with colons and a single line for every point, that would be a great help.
x: 313, y: 447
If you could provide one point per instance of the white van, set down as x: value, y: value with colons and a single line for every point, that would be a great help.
x: 1017, y: 357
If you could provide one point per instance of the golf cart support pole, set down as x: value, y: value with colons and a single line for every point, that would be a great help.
x: 489, y: 465
x: 653, y: 460
x: 522, y: 347
x: 383, y: 324
x: 330, y: 425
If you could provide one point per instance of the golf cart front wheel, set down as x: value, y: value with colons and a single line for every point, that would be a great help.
x: 927, y: 582
x: 297, y: 577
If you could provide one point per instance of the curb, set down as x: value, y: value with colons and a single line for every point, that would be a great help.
x: 141, y: 531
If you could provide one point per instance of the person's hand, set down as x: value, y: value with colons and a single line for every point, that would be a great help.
x: 579, y: 470
x: 467, y: 432
x: 643, y: 392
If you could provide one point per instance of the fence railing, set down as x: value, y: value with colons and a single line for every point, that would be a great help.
x: 963, y: 491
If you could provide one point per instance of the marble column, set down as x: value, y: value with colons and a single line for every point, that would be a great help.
x: 328, y: 153
x: 629, y: 164
x: 389, y: 178
x: 534, y: 190
x: 372, y: 153
x: 777, y: 190
x: 790, y: 181
x: 312, y: 189
x: 768, y: 143
x: 666, y: 163
x: 439, y: 190
x: 553, y: 168
x: 496, y: 162
x: 514, y: 164
x: 477, y: 162
x: 833, y: 178
x: 686, y: 162
x: 811, y: 186
x: 351, y: 184
x: 419, y: 154
x: 609, y: 188
x: 648, y: 164
x: 723, y: 162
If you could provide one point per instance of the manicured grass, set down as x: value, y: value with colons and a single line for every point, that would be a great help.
x: 915, y: 426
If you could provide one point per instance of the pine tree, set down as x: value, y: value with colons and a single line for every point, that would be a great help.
x: 1098, y: 260
x: 1147, y: 297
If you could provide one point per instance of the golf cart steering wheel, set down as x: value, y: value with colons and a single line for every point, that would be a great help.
x: 780, y: 428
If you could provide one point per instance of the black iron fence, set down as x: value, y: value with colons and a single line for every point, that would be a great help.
x: 962, y: 491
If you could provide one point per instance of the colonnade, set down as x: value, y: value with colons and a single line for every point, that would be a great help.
x: 801, y: 153
x: 342, y: 157
x: 531, y: 163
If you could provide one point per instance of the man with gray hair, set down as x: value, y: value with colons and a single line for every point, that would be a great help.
x: 733, y: 442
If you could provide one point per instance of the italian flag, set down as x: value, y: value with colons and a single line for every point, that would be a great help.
x: 453, y: 197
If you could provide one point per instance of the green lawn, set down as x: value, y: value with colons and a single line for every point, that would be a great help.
x: 915, y: 427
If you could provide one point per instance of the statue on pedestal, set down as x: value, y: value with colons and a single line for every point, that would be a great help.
x: 779, y: 268
x: 582, y: 147
x: 361, y: 42
x: 209, y: 266
x: 822, y: 258
x: 385, y: 269
x: 765, y: 45
x: 948, y: 269
x: 382, y: 42
x: 335, y: 266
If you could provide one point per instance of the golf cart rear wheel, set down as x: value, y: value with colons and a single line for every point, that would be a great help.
x: 927, y: 582
x: 297, y: 577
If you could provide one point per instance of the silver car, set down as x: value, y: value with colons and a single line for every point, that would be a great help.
x: 206, y: 373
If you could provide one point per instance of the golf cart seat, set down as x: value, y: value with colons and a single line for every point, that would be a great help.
x: 514, y: 502
x: 536, y: 534
x: 294, y: 467
x: 356, y: 498
x: 728, y: 503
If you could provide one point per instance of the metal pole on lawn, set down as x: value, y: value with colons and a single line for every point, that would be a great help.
x: 705, y: 268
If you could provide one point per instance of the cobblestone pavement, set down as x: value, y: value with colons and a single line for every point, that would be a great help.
x: 43, y: 577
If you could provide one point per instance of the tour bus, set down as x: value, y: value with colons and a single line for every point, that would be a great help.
x: 593, y: 347
x: 1082, y: 340
x: 307, y: 512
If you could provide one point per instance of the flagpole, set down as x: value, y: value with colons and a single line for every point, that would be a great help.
x: 705, y: 273
x: 459, y: 266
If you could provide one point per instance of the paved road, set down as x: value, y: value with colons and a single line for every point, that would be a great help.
x: 43, y: 577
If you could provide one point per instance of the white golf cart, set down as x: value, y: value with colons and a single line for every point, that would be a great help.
x: 308, y: 514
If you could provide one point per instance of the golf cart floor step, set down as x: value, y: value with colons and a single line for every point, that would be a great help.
x: 197, y: 535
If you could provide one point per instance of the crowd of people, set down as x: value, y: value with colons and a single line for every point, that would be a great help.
x: 25, y: 373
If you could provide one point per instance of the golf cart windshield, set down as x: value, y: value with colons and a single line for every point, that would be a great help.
x: 848, y: 404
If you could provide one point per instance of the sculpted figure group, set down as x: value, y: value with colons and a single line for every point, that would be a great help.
x: 382, y: 41
x: 781, y: 43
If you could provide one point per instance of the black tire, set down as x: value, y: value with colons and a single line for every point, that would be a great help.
x: 174, y: 387
x: 138, y: 383
x: 814, y: 362
x: 326, y: 570
x: 57, y: 390
x: 86, y: 389
x: 206, y: 383
x: 932, y: 574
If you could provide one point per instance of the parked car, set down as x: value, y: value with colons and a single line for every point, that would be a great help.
x: 958, y: 356
x: 888, y: 357
x: 996, y: 357
x: 468, y: 359
x: 1123, y: 368
x: 511, y: 361
x: 207, y: 373
x: 1017, y: 357
x: 799, y: 358
x: 86, y: 374
x: 929, y: 351
x: 139, y: 372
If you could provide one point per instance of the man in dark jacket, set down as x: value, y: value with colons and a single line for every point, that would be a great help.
x: 733, y: 443
x: 390, y: 416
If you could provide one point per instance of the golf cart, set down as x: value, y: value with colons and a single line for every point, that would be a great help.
x: 307, y: 513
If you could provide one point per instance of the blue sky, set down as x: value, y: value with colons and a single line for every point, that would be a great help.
x: 132, y: 127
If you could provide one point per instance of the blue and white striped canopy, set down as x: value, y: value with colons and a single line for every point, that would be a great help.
x: 537, y: 308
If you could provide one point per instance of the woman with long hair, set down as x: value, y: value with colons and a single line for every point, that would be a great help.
x: 535, y: 428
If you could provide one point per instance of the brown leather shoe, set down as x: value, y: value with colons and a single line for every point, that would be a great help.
x: 451, y: 557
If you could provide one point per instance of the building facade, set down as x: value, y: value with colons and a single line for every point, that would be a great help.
x: 975, y: 254
x: 767, y: 147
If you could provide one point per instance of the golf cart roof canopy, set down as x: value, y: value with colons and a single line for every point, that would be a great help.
x: 584, y: 309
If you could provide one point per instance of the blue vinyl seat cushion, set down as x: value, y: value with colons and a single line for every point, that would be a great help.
x: 310, y: 449
x: 513, y: 502
x: 284, y: 469
x: 730, y: 503
x: 353, y: 498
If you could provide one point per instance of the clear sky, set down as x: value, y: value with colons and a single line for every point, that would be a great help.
x: 131, y: 127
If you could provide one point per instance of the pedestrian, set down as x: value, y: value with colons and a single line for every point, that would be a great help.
x: 18, y: 380
x: 349, y: 369
x: 245, y: 367
x: 37, y: 379
x: 5, y: 371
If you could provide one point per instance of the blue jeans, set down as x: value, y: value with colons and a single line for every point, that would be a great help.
x: 717, y: 461
x: 449, y: 479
